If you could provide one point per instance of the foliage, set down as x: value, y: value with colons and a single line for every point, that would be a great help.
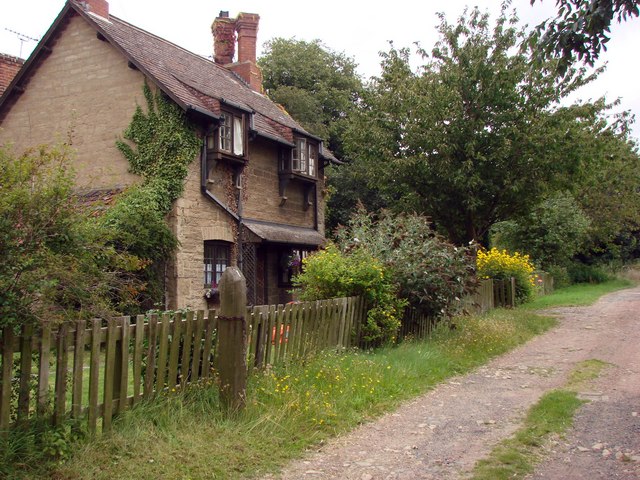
x: 560, y: 276
x: 432, y: 274
x: 580, y: 31
x: 164, y: 144
x: 500, y: 265
x: 582, y: 273
x: 607, y: 187
x: 331, y: 273
x: 52, y: 256
x: 552, y: 233
x: 474, y: 136
x: 315, y: 84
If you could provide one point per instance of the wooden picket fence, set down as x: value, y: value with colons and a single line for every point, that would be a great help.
x: 118, y: 362
x: 91, y: 371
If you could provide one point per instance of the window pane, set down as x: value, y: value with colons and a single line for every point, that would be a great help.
x: 225, y: 132
x: 216, y: 260
x: 238, y: 137
x: 313, y: 157
x: 295, y: 158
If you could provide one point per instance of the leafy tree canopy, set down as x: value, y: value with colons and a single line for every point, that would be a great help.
x: 474, y: 136
x: 315, y: 84
x: 581, y: 28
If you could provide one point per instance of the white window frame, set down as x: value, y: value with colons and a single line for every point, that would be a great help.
x: 231, y: 134
x: 304, y: 157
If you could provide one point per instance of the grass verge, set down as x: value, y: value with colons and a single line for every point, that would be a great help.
x: 551, y: 416
x: 579, y: 294
x: 289, y: 408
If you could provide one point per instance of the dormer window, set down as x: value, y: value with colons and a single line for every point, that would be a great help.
x: 228, y: 141
x: 304, y: 157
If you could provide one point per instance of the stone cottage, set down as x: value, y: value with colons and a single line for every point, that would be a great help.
x: 253, y: 195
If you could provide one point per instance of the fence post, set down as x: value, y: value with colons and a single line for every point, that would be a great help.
x: 512, y: 292
x: 232, y: 334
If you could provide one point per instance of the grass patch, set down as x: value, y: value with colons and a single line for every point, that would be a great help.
x: 289, y: 408
x: 584, y: 372
x: 551, y: 416
x: 577, y: 295
x: 516, y: 456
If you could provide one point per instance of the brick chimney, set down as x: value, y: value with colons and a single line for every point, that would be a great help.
x: 98, y: 7
x: 224, y: 38
x: 247, y: 28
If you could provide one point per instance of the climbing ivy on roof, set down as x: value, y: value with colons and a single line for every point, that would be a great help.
x: 165, y: 145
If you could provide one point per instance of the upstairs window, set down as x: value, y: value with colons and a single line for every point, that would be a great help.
x: 229, y: 138
x: 216, y: 260
x: 304, y: 157
x: 231, y: 134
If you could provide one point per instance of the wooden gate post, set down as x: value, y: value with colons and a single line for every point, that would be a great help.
x: 512, y: 296
x: 232, y: 338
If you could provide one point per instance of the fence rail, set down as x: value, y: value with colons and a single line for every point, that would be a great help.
x: 90, y: 371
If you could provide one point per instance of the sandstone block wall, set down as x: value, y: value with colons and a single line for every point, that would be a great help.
x: 73, y: 92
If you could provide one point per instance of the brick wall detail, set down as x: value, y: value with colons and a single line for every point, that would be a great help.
x: 9, y: 68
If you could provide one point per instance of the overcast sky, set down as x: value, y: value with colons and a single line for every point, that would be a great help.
x: 358, y: 28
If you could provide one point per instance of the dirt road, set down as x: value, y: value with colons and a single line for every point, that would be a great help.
x: 443, y: 433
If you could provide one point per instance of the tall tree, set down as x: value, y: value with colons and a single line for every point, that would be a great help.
x: 581, y: 28
x: 474, y: 136
x: 316, y: 85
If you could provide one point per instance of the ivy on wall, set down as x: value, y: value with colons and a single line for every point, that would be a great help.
x: 165, y: 146
x: 161, y: 145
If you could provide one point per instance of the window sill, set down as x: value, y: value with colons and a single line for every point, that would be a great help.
x: 224, y: 156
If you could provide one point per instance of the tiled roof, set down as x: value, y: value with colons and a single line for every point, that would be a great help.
x: 192, y: 80
x: 278, y: 233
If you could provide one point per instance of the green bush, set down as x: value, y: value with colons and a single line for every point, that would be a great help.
x: 582, y: 273
x: 552, y: 233
x: 560, y: 276
x: 330, y: 273
x: 432, y: 274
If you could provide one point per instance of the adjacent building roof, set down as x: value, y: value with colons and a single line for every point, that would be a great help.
x: 9, y: 67
x: 195, y: 83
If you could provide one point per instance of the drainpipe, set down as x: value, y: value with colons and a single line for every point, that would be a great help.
x: 203, y: 183
x: 240, y: 221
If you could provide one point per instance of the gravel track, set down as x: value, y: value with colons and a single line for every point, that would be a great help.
x: 442, y: 434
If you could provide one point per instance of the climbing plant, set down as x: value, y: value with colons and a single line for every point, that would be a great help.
x: 159, y: 145
x: 165, y: 145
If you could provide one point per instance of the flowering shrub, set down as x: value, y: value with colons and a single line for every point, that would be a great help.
x: 499, y: 264
x: 432, y: 274
x: 330, y: 273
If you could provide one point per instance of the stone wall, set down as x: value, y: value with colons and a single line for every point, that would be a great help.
x: 73, y: 93
x: 263, y: 197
